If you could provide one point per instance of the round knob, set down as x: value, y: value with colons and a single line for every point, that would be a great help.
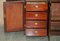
x: 36, y: 6
x: 36, y: 23
x: 36, y: 31
x: 36, y: 15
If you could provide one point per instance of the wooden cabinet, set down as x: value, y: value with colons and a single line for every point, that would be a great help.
x: 13, y: 16
x: 36, y: 6
x: 32, y: 16
x: 36, y: 32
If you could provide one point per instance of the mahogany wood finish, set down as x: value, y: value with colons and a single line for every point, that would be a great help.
x: 36, y: 32
x: 36, y: 18
x: 36, y: 6
x: 13, y: 16
x: 36, y: 15
x: 36, y: 24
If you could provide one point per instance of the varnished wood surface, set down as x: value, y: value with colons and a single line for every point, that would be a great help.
x: 13, y: 16
x: 36, y: 6
x: 36, y: 15
x: 55, y: 11
x: 55, y: 26
x: 36, y: 24
x: 36, y: 32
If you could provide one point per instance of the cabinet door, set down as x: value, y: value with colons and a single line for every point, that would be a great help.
x: 13, y: 16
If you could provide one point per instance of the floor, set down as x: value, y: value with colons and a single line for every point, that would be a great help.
x: 19, y: 36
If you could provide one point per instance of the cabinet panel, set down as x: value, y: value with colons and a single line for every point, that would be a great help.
x: 36, y: 15
x: 55, y: 26
x: 36, y: 32
x: 55, y: 11
x: 36, y: 24
x: 55, y: 33
x: 13, y: 16
x: 36, y: 6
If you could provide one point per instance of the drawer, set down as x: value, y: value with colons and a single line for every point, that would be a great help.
x: 36, y: 32
x: 36, y: 6
x: 36, y: 15
x: 55, y: 26
x: 55, y: 11
x: 36, y: 24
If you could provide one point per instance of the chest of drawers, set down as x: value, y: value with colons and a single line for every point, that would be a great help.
x: 32, y: 16
x: 36, y: 19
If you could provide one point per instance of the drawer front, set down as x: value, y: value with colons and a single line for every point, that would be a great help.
x: 55, y: 11
x: 36, y: 24
x: 36, y: 32
x: 36, y: 15
x: 55, y: 26
x: 36, y: 6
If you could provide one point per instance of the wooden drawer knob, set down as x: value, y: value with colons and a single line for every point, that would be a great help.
x: 36, y: 6
x: 36, y: 15
x: 36, y: 31
x: 36, y: 23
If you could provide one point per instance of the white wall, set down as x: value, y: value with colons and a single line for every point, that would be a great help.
x: 1, y: 12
